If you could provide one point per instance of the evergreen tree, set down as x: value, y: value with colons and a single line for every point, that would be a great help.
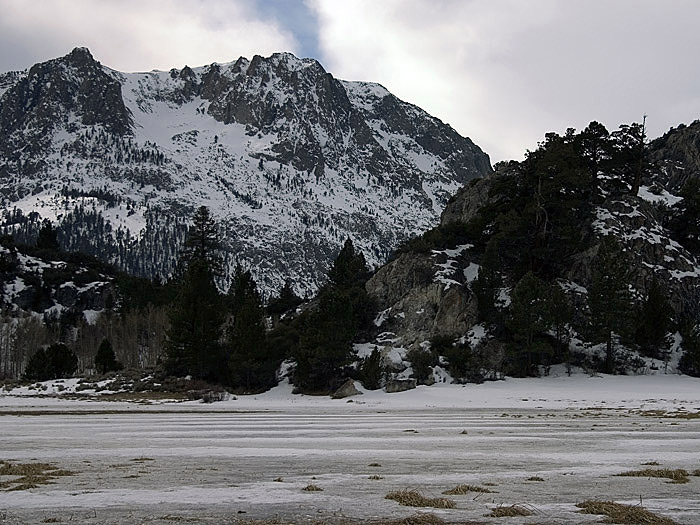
x: 372, y: 370
x: 488, y: 283
x: 422, y: 362
x: 349, y: 268
x: 56, y: 361
x: 47, y: 238
x: 560, y: 315
x: 594, y: 145
x: 608, y: 297
x: 202, y: 242
x: 105, y: 360
x: 530, y: 315
x: 325, y: 342
x: 342, y: 311
x: 286, y: 301
x: 197, y: 314
x: 654, y: 322
x: 251, y: 365
x: 196, y: 318
x: 690, y: 360
x: 684, y: 221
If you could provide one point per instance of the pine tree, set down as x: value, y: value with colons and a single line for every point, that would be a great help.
x: 690, y: 360
x: 105, y: 360
x: 197, y: 314
x: 488, y: 283
x: 47, y: 238
x: 349, y: 268
x: 196, y: 318
x: 250, y: 365
x: 202, y: 243
x: 609, y: 298
x: 654, y: 322
x: 286, y: 301
x: 530, y: 315
x: 325, y: 342
x: 372, y: 370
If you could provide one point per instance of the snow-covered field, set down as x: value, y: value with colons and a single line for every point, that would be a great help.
x: 137, y: 463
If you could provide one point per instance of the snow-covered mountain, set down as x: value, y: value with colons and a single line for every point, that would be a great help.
x: 290, y: 160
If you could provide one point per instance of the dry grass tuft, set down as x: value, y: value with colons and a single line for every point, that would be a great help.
x: 534, y: 478
x: 678, y: 475
x: 623, y: 514
x: 460, y: 490
x: 651, y: 463
x: 51, y: 520
x: 312, y: 488
x: 413, y: 498
x: 696, y: 472
x: 510, y: 512
x: 415, y: 519
x: 29, y: 475
x: 142, y: 459
x: 279, y: 480
x: 374, y: 465
x: 375, y: 477
x: 24, y: 469
x: 489, y: 484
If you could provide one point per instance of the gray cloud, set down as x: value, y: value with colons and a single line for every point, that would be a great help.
x: 504, y: 71
x: 137, y: 35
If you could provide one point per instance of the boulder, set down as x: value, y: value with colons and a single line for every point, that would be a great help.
x: 347, y: 389
x: 399, y: 385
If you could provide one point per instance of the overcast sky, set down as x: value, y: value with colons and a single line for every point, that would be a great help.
x: 503, y: 72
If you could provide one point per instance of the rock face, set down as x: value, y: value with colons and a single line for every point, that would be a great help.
x: 678, y: 154
x: 289, y: 159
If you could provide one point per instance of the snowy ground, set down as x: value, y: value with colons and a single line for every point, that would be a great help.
x: 212, y: 463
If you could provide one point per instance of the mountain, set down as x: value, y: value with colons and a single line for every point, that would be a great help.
x: 290, y: 160
x: 552, y: 215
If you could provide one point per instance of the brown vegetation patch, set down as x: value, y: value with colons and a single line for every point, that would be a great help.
x: 678, y: 475
x: 623, y: 514
x: 312, y: 488
x: 510, y: 512
x: 29, y: 475
x: 413, y: 498
x: 142, y: 459
x: 534, y: 478
x: 375, y: 477
x: 460, y: 490
x: 651, y: 463
x: 415, y: 519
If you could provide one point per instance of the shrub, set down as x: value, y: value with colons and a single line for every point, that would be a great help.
x: 422, y: 362
x: 372, y: 370
x: 51, y: 363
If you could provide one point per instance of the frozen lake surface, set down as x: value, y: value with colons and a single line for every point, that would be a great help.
x: 218, y: 463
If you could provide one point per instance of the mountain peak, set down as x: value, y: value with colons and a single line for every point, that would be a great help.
x: 291, y: 160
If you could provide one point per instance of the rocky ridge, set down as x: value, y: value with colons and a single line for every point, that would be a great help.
x: 290, y: 160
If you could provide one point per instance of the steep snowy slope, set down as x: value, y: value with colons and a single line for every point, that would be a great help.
x: 290, y: 160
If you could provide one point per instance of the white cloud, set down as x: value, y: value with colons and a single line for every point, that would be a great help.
x: 136, y: 35
x: 504, y: 72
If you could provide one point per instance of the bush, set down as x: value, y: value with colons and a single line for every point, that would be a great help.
x: 422, y: 361
x: 372, y: 370
x: 51, y: 363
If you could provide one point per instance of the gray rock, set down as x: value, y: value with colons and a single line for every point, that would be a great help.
x: 347, y: 389
x: 399, y: 385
